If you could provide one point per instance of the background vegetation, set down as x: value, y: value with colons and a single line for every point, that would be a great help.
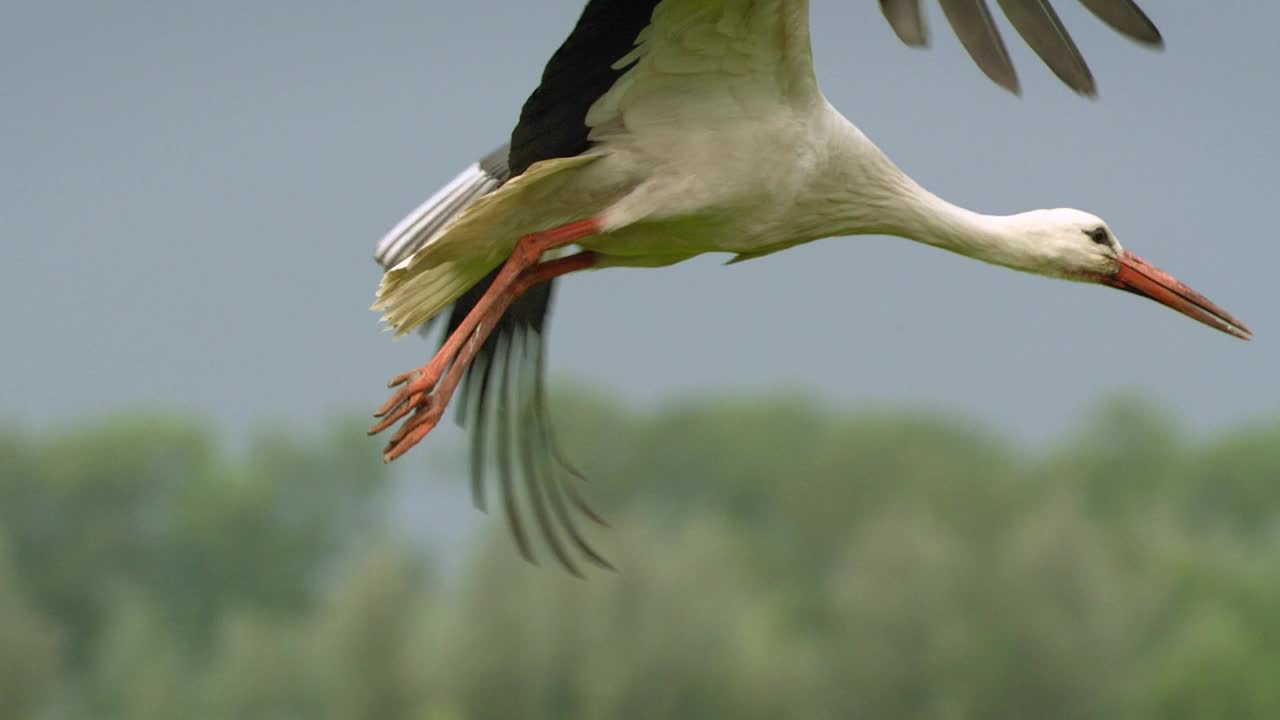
x: 777, y: 559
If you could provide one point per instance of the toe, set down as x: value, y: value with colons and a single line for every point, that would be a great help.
x: 403, y: 378
x: 401, y: 408
x: 402, y: 445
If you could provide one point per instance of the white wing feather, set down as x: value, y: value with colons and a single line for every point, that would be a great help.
x: 701, y: 62
x: 433, y: 215
x: 477, y: 241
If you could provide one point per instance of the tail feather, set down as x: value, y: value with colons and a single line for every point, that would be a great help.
x: 433, y: 215
x: 476, y: 241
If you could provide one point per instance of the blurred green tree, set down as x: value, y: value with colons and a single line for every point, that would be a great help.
x: 778, y: 558
x: 29, y: 646
x: 263, y: 667
x: 370, y: 639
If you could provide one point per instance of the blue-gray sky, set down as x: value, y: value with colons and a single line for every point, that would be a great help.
x: 190, y: 192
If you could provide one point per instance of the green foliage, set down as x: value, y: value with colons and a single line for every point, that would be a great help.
x: 139, y: 671
x: 777, y: 559
x: 29, y: 645
x: 1231, y: 483
x: 367, y: 639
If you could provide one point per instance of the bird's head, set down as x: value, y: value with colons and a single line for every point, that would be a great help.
x: 1076, y: 245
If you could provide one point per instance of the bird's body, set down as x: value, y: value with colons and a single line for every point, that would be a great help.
x: 666, y: 130
x: 663, y: 198
x: 686, y: 148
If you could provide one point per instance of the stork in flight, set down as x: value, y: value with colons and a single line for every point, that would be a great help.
x: 665, y: 129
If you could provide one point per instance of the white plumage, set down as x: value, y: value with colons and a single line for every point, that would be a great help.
x: 713, y: 136
x: 477, y: 241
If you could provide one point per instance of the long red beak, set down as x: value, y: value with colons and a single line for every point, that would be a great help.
x: 1139, y: 277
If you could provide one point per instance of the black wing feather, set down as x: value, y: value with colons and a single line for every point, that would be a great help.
x: 1037, y: 23
x: 553, y: 119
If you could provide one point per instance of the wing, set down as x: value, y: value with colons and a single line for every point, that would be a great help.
x: 1035, y: 21
x: 503, y: 400
x: 553, y: 119
x: 709, y: 61
x: 428, y: 219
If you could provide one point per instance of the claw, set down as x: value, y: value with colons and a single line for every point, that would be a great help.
x: 402, y: 378
x: 416, y: 404
x: 406, y: 395
x: 414, y: 429
x: 391, y: 404
x: 422, y: 413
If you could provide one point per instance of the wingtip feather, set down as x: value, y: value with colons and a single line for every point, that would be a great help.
x: 1126, y: 18
x: 906, y: 17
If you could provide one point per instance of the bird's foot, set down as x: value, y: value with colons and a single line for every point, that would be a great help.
x: 423, y: 393
x: 416, y: 401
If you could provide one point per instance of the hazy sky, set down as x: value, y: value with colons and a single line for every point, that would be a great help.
x: 190, y: 192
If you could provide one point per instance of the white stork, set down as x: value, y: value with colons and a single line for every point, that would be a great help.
x: 665, y: 129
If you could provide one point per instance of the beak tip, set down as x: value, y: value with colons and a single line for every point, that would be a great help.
x: 1139, y: 277
x: 1234, y: 327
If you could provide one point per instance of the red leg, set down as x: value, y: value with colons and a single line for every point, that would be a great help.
x: 425, y: 407
x: 527, y: 252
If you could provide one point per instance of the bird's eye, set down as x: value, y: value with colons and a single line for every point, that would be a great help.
x: 1099, y: 235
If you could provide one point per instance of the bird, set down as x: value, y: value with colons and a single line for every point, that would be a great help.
x: 662, y: 130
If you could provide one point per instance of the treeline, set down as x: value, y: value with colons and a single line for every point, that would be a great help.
x: 777, y: 559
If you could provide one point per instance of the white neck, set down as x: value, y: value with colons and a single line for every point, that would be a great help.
x: 865, y: 193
